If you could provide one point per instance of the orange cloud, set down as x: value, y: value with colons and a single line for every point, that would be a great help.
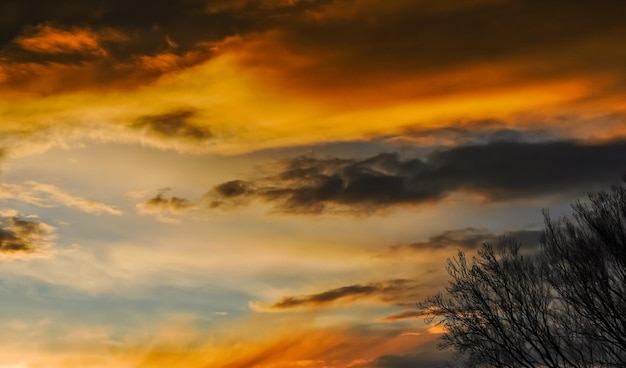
x: 218, y: 89
x: 278, y: 88
x: 293, y: 342
x: 406, y: 314
x: 144, y: 69
x: 253, y: 342
x: 437, y: 329
x: 96, y: 71
x: 166, y: 61
x: 50, y: 40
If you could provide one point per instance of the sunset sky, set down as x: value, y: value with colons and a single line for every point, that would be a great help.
x: 277, y: 183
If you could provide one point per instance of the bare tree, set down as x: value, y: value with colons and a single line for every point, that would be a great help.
x: 563, y: 306
x: 587, y: 263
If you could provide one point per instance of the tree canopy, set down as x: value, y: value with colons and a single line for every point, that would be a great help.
x: 563, y: 305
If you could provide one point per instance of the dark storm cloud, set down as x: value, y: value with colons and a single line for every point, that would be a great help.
x: 436, y: 35
x: 431, y: 31
x: 20, y: 237
x: 356, y: 43
x: 392, y: 291
x: 348, y: 42
x: 144, y: 28
x: 498, y: 171
x: 472, y: 238
x: 173, y: 125
x: 504, y: 170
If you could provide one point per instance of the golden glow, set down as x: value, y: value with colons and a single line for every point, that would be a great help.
x: 287, y: 343
x: 246, y: 115
x: 437, y: 329
x: 117, y: 123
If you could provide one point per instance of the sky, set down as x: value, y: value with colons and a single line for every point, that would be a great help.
x: 277, y: 183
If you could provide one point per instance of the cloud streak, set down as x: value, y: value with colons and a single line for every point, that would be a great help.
x: 48, y: 195
x: 397, y: 292
x: 498, y: 171
x: 471, y: 238
x: 403, y: 315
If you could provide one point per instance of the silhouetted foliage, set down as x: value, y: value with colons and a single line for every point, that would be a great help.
x: 562, y: 306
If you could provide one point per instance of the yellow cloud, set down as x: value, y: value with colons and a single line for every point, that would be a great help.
x: 247, y: 107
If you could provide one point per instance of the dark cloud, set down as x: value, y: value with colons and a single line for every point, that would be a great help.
x: 472, y: 238
x: 426, y: 359
x: 174, y: 125
x: 22, y: 238
x: 164, y: 203
x: 431, y: 32
x: 342, y: 40
x: 234, y: 188
x: 459, y: 31
x: 398, y: 292
x: 147, y: 23
x: 392, y: 41
x: 499, y: 171
x: 519, y: 170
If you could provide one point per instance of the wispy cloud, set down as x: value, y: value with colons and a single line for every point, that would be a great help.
x: 472, y: 238
x: 48, y: 195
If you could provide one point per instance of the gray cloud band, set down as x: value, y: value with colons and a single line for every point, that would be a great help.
x: 498, y: 171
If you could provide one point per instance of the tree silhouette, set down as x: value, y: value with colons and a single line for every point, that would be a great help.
x: 561, y: 306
